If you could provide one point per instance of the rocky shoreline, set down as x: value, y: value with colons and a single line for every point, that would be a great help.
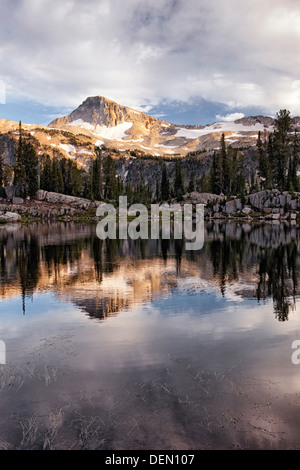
x: 267, y: 205
x: 270, y: 204
x: 46, y: 205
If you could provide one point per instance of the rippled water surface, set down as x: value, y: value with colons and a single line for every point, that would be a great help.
x: 127, y: 344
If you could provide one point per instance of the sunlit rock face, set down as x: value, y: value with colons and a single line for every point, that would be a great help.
x: 124, y: 128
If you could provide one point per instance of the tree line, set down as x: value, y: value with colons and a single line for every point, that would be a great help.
x: 278, y: 156
x: 276, y: 163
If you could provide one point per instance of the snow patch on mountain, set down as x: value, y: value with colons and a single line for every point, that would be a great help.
x: 68, y: 149
x: 111, y: 133
x: 220, y: 127
x: 81, y: 123
x: 168, y: 146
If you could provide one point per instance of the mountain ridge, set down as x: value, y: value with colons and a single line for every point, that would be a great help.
x: 101, y: 122
x: 129, y: 129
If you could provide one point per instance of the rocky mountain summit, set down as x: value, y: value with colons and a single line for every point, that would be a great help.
x: 127, y: 129
x: 101, y: 122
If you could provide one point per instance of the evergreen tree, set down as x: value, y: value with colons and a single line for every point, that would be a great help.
x: 57, y: 183
x: 87, y: 187
x: 129, y: 193
x: 233, y: 158
x: 191, y: 185
x: 119, y: 187
x: 157, y: 191
x: 71, y: 177
x: 19, y: 170
x: 77, y: 179
x: 109, y: 177
x: 271, y: 160
x: 226, y: 183
x: 97, y: 183
x: 240, y: 179
x: 30, y: 160
x: 263, y: 163
x: 204, y: 184
x: 283, y: 123
x: 215, y: 175
x: 281, y: 147
x: 178, y: 187
x: 2, y: 177
x: 294, y: 164
x: 46, y: 174
x: 165, y: 185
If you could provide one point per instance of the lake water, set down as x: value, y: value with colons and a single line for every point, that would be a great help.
x: 143, y: 345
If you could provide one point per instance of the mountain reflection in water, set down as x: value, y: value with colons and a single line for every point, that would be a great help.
x: 123, y: 344
x: 104, y: 277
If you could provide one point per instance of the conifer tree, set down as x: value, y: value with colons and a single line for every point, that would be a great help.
x: 178, y: 187
x: 46, y: 174
x: 97, y: 183
x: 165, y: 185
x: 263, y: 163
x: 19, y: 170
x: 225, y: 167
x: 233, y: 158
x: 271, y: 160
x: 2, y: 190
x: 191, y: 185
x: 157, y: 191
x: 281, y: 138
x: 109, y: 177
x: 30, y: 160
x: 293, y: 181
x: 215, y: 175
x: 240, y: 178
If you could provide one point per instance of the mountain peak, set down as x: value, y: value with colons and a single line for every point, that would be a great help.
x: 124, y: 128
x: 101, y: 111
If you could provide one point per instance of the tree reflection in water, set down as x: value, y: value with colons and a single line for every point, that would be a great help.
x: 265, y: 256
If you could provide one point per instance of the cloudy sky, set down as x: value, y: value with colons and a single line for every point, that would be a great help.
x: 187, y: 61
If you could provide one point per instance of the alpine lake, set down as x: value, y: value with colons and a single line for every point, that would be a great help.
x: 142, y: 344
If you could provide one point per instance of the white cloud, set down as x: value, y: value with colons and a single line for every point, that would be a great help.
x: 2, y: 92
x: 139, y: 53
x: 230, y: 117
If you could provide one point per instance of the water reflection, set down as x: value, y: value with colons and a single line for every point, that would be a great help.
x: 104, y: 277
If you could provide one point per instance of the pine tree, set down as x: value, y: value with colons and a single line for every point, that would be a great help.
x: 191, y: 185
x: 77, y: 179
x: 119, y: 187
x: 70, y: 177
x: 87, y: 187
x: 178, y: 187
x: 215, y: 175
x: 157, y: 191
x: 165, y: 185
x: 46, y: 174
x: 2, y: 171
x: 283, y: 123
x: 240, y: 179
x: 233, y: 157
x: 97, y: 183
x: 226, y: 183
x: 109, y: 177
x: 19, y: 170
x: 58, y: 179
x: 30, y: 160
x: 271, y: 160
x: 293, y: 180
x: 281, y: 138
x: 263, y: 163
